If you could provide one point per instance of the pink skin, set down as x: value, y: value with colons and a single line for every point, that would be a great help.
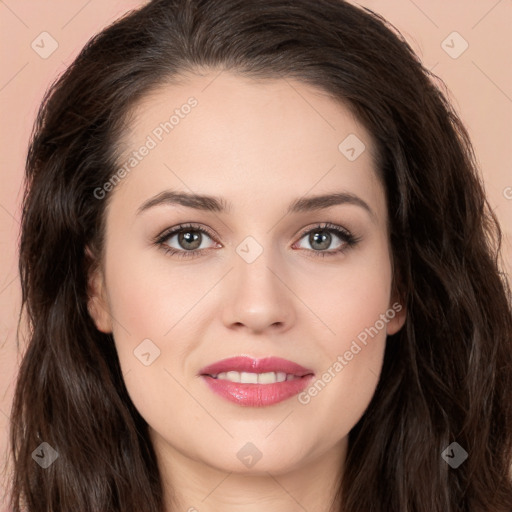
x: 260, y: 145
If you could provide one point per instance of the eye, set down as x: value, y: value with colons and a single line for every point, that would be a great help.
x: 189, y: 238
x: 321, y: 237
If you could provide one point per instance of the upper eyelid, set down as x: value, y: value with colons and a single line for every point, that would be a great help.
x: 167, y: 233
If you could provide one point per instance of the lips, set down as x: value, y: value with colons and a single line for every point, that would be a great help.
x: 256, y: 382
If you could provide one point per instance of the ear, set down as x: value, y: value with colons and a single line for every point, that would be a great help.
x: 396, y: 305
x: 97, y: 303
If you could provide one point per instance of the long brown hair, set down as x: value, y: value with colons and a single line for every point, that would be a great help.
x: 447, y: 375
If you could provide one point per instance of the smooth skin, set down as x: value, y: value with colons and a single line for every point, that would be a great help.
x: 260, y: 145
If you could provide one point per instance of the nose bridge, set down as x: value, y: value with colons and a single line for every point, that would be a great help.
x: 257, y: 296
x: 253, y: 268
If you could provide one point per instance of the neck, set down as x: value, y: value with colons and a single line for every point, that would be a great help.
x: 195, y: 486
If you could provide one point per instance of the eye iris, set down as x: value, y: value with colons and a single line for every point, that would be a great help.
x: 320, y: 237
x: 189, y: 237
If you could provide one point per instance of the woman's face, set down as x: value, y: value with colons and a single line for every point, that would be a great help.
x: 265, y: 279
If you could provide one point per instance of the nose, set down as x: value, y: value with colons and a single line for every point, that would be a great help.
x: 257, y: 297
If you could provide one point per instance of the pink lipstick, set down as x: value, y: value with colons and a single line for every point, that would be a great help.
x: 256, y: 382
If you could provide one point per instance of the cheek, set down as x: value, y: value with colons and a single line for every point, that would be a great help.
x: 349, y: 297
x: 151, y: 297
x: 153, y: 307
x: 355, y: 308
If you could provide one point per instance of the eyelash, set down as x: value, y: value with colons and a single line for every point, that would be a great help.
x: 347, y: 237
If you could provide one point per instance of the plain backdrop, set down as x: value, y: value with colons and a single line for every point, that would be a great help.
x: 467, y: 43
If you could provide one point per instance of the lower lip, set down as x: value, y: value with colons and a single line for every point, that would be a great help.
x: 257, y: 395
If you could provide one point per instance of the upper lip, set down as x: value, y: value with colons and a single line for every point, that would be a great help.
x: 248, y: 364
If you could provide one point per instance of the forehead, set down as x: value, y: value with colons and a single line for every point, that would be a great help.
x: 226, y: 134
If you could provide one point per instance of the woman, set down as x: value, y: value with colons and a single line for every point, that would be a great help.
x: 260, y: 271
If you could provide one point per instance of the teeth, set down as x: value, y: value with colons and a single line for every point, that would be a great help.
x: 267, y: 378
x: 281, y: 376
x: 255, y: 378
x: 248, y: 378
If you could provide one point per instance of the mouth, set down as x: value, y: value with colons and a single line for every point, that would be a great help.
x: 256, y: 382
x: 255, y: 378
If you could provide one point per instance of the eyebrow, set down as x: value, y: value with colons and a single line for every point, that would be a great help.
x: 220, y: 205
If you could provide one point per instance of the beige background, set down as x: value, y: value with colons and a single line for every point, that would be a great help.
x: 479, y: 81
